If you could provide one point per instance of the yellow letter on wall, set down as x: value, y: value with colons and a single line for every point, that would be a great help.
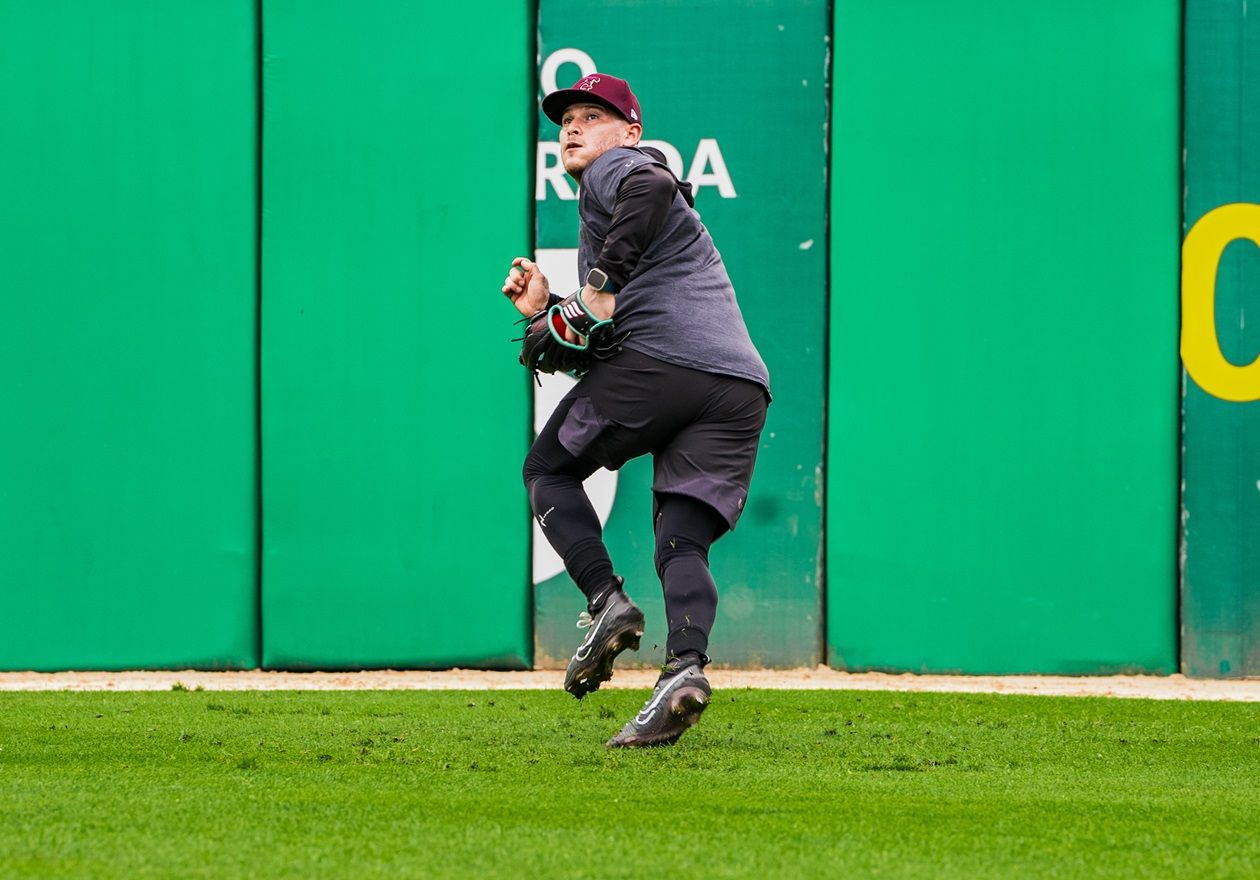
x: 1200, y: 256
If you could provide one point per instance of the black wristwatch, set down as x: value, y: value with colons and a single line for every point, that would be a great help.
x: 598, y: 279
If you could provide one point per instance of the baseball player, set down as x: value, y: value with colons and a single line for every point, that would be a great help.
x: 667, y: 368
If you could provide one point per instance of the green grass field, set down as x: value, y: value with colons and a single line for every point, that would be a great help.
x: 518, y: 784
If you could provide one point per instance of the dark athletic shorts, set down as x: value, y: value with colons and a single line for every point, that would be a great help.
x: 702, y: 429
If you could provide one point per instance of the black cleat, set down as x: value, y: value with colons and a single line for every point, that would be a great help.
x: 681, y: 695
x: 617, y: 625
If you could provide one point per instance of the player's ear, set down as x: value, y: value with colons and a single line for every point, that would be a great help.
x: 634, y: 131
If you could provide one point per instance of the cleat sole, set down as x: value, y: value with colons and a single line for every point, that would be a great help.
x: 687, y: 706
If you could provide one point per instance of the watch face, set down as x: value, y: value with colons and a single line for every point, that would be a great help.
x: 597, y: 279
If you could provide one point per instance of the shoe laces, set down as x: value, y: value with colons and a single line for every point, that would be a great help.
x: 586, y: 618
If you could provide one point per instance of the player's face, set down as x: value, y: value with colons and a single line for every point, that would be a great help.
x: 587, y: 131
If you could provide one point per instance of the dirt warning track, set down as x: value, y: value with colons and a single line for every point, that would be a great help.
x: 1173, y: 687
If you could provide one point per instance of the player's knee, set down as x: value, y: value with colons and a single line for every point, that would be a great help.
x: 670, y: 548
x: 532, y: 470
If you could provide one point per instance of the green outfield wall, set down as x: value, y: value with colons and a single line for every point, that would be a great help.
x: 395, y: 526
x: 1221, y: 342
x: 127, y: 335
x: 259, y: 403
x: 1002, y: 408
x: 735, y: 94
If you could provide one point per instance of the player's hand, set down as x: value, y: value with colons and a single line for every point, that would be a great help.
x: 526, y: 286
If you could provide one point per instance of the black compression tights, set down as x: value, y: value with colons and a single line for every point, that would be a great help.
x: 685, y: 529
x: 554, y: 476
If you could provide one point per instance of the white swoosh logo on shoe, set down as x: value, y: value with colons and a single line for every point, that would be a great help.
x: 645, y: 715
x: 584, y: 649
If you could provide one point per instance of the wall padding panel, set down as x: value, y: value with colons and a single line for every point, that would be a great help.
x: 127, y: 327
x: 1220, y: 599
x: 396, y: 191
x: 1003, y: 405
x: 735, y: 95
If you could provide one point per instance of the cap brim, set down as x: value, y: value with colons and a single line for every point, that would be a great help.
x: 554, y: 104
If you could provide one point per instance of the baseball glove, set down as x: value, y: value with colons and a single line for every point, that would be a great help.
x: 544, y: 348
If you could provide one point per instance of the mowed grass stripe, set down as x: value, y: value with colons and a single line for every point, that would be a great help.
x: 518, y: 784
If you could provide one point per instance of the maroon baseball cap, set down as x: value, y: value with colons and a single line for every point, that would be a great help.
x: 595, y: 88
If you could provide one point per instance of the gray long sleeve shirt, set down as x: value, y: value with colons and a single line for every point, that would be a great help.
x: 678, y: 304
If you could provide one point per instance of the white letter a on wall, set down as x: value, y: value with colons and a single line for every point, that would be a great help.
x: 709, y: 155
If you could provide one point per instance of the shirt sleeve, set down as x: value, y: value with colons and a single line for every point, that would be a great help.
x: 643, y: 200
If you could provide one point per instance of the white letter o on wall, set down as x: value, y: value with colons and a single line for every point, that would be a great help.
x: 552, y: 65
